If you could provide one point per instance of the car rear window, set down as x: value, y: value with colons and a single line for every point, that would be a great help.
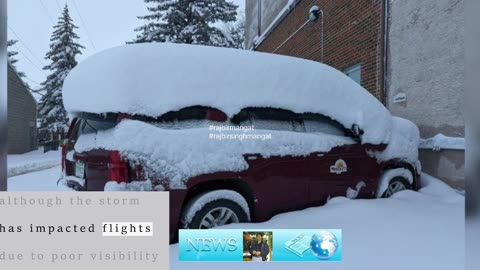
x: 93, y: 126
x: 92, y: 123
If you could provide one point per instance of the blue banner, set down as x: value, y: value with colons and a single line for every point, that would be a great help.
x: 280, y: 245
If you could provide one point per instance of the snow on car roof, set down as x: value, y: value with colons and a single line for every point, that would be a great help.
x: 154, y: 78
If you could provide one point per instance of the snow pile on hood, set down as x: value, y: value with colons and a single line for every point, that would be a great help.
x: 177, y: 155
x: 403, y: 143
x: 154, y: 78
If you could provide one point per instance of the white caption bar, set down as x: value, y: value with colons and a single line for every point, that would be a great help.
x: 127, y: 229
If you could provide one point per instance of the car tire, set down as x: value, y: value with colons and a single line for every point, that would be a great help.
x: 218, y: 212
x: 396, y: 185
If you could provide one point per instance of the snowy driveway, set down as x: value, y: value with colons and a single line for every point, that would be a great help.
x: 32, y: 162
x: 44, y: 180
x: 34, y: 171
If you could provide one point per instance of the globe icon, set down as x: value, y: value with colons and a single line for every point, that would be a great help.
x: 324, y: 245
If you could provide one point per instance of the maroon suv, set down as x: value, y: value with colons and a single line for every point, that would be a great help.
x: 269, y: 186
x: 143, y: 115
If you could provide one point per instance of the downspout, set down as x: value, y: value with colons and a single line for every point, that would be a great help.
x: 323, y: 37
x: 259, y: 17
x: 386, y: 7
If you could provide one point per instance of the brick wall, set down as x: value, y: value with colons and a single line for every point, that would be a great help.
x: 353, y: 34
x: 22, y: 116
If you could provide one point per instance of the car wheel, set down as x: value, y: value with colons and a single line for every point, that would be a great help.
x: 396, y: 185
x: 215, y: 212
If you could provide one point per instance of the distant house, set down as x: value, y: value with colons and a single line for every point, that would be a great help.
x: 22, y: 116
x: 408, y: 54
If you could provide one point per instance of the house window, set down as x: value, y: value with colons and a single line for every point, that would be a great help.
x: 355, y: 73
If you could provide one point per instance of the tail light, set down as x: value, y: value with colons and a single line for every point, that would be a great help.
x: 64, y: 154
x: 117, y: 168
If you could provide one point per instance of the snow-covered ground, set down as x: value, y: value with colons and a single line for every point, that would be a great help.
x: 43, y: 180
x: 412, y: 230
x: 32, y: 161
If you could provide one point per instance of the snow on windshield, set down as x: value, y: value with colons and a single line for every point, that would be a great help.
x: 154, y: 78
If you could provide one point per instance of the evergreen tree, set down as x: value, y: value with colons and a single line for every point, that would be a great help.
x: 62, y: 53
x: 236, y: 32
x: 11, y: 57
x: 187, y: 21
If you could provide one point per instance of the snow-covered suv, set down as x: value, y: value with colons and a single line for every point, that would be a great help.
x: 233, y: 135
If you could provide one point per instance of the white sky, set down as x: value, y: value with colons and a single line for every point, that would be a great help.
x: 102, y: 24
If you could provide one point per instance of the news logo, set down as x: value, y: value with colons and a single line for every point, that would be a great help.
x: 260, y: 246
x: 210, y: 245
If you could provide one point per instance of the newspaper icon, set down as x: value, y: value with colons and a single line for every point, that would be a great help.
x: 299, y: 244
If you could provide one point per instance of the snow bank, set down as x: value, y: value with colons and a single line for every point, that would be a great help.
x: 42, y: 180
x: 154, y: 78
x: 435, y: 187
x: 410, y: 230
x: 177, y: 155
x: 403, y: 143
x: 32, y: 161
x: 441, y: 141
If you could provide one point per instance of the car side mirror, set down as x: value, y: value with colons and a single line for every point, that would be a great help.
x: 357, y: 131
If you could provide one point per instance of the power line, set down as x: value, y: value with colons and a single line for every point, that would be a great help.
x: 25, y: 45
x: 58, y: 5
x: 83, y: 23
x: 29, y: 60
x: 33, y: 81
x: 46, y: 12
x: 38, y: 91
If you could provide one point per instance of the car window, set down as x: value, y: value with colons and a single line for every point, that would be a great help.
x: 92, y: 126
x: 317, y: 123
x: 272, y: 124
x: 266, y: 118
x: 186, y: 124
x: 88, y: 123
